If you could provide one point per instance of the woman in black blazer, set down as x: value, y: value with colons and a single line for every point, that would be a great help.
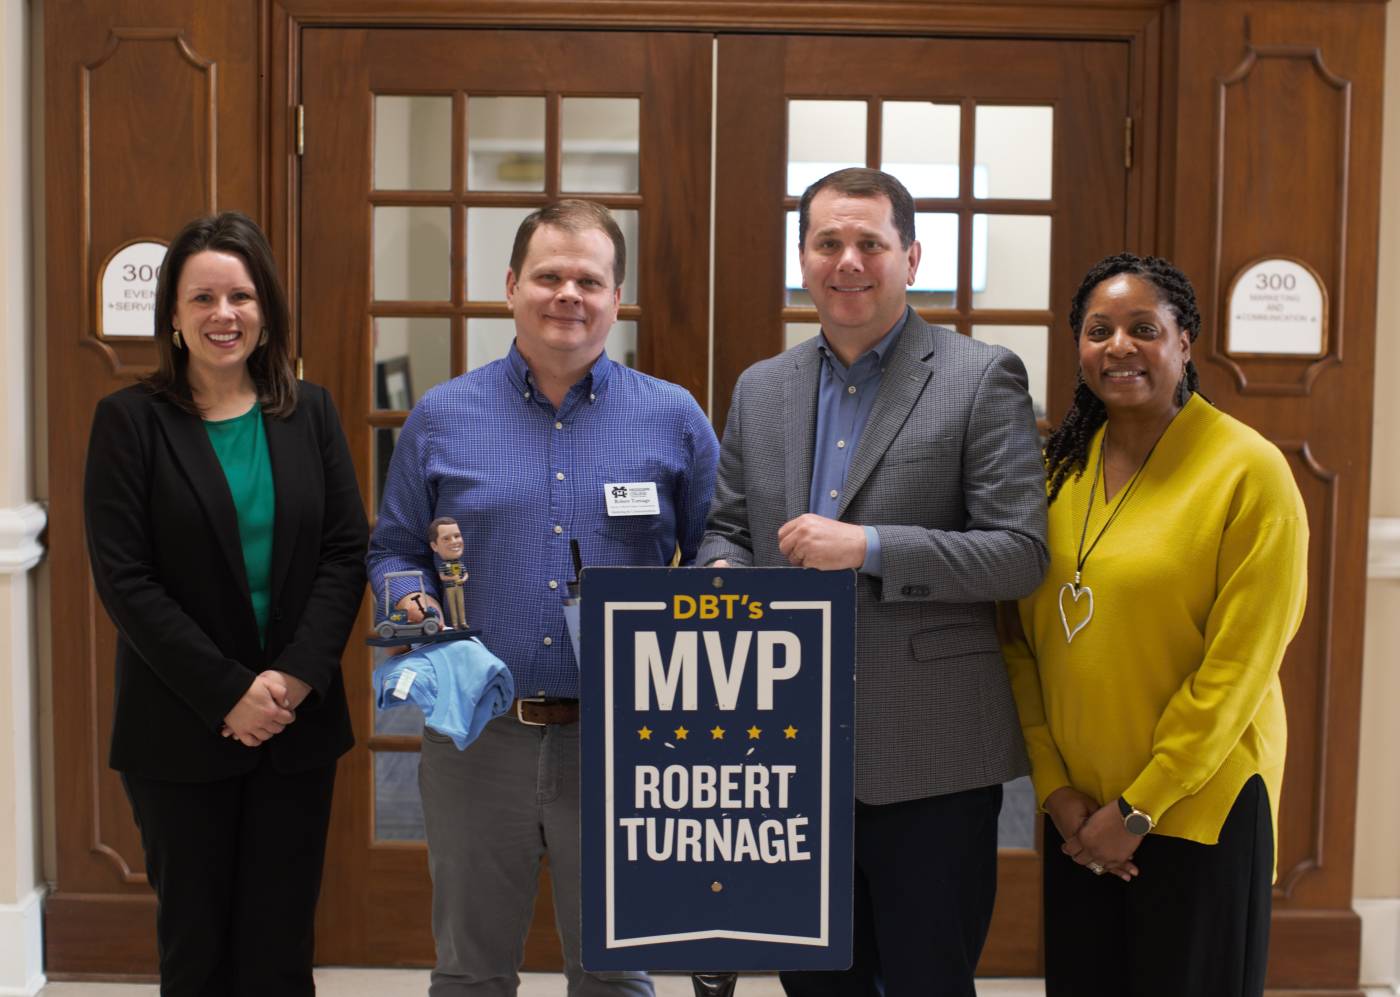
x: 227, y: 540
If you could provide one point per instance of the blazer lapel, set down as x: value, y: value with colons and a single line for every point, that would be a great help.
x: 284, y: 456
x: 190, y: 443
x: 902, y: 384
x: 800, y: 418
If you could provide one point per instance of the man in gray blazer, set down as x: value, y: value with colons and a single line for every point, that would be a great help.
x: 909, y: 452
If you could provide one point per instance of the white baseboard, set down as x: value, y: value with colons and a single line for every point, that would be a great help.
x: 22, y: 946
x: 1380, y: 942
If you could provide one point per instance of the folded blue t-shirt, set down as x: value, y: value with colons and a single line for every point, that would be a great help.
x: 459, y: 685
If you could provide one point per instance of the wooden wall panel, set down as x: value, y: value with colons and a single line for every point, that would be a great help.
x: 1268, y: 204
x: 1276, y: 152
x: 179, y: 89
x: 679, y: 350
x: 152, y: 117
x: 1305, y: 673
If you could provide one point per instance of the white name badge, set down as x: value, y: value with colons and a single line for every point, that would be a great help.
x: 632, y: 498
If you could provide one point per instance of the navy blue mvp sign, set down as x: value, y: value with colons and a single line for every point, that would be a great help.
x: 717, y: 738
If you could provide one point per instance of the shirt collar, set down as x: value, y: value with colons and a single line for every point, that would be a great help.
x: 881, y: 348
x: 593, y: 382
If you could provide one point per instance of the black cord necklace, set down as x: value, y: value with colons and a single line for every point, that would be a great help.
x: 1074, y: 589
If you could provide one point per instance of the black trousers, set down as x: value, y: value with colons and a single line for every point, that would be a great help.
x: 1194, y: 922
x: 236, y: 867
x: 925, y: 885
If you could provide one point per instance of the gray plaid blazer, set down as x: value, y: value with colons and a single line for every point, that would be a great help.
x: 948, y: 470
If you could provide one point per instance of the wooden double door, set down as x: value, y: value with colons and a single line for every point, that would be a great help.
x: 422, y: 151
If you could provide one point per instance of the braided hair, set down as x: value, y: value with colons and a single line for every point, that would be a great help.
x: 1067, y: 450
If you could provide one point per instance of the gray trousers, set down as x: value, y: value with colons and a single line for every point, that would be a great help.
x: 491, y: 812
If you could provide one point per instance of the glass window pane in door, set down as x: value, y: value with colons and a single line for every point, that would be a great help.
x: 1032, y: 344
x: 823, y: 136
x: 412, y: 143
x: 488, y: 339
x: 382, y: 443
x: 410, y: 356
x: 920, y: 146
x: 600, y: 144
x: 797, y: 295
x: 936, y: 283
x: 398, y: 809
x: 627, y: 220
x: 412, y: 253
x: 490, y: 236
x: 505, y: 143
x: 405, y: 718
x: 1016, y: 822
x: 799, y: 332
x: 1015, y: 147
x: 1011, y: 261
x: 622, y: 343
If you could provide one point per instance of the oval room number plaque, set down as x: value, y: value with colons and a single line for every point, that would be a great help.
x: 127, y: 290
x: 1278, y: 308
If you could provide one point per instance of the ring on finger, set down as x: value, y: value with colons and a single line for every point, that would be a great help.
x: 1096, y: 869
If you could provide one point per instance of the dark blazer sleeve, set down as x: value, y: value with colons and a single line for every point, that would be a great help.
x: 117, y: 512
x: 727, y: 533
x: 333, y: 600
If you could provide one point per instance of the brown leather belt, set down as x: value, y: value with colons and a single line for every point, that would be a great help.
x: 539, y: 712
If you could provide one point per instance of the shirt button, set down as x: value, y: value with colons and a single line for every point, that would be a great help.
x: 558, y: 529
x: 553, y: 584
x: 592, y: 397
x: 558, y: 425
x: 548, y: 641
x: 851, y: 389
x: 558, y: 475
x: 527, y: 394
x: 832, y: 493
x: 840, y: 444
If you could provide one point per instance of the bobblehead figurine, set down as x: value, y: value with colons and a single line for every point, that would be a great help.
x: 445, y: 538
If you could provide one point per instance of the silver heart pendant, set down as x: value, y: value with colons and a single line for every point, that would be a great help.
x: 1075, y: 592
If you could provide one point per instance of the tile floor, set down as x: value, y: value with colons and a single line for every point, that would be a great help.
x: 340, y: 982
x: 332, y: 982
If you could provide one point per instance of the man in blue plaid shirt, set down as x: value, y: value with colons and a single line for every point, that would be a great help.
x: 554, y: 442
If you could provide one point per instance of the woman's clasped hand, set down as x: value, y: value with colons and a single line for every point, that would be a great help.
x: 1094, y: 835
x: 266, y: 709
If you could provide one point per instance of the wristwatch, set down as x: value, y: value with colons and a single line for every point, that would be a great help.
x: 1134, y: 819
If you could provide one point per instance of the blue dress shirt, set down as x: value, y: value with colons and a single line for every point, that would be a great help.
x: 521, y: 479
x: 845, y: 398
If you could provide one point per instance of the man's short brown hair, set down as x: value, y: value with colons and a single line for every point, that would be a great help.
x: 571, y: 215
x: 860, y: 181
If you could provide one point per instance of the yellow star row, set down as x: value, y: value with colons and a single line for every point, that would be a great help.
x: 717, y: 733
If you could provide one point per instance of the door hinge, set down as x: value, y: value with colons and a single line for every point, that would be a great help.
x: 301, y: 129
x: 1127, y: 143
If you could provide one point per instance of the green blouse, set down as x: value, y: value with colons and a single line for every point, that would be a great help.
x: 241, y: 446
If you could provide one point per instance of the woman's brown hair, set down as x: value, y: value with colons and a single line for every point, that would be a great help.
x: 271, y: 364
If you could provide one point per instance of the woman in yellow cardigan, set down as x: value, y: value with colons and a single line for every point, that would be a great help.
x: 1147, y: 673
